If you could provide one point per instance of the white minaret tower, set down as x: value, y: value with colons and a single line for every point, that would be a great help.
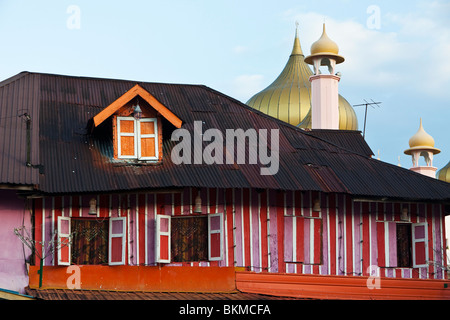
x: 422, y: 144
x: 324, y: 87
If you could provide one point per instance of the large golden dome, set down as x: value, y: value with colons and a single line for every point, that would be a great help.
x: 288, y: 98
x: 444, y: 173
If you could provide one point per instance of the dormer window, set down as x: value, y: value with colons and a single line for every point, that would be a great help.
x: 137, y: 138
x: 137, y: 125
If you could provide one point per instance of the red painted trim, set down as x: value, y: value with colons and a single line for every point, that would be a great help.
x: 349, y: 234
x: 365, y: 238
x: 340, y: 287
x: 332, y: 234
x: 141, y: 278
x: 229, y: 225
x: 263, y: 220
x: 280, y: 231
x: 38, y: 228
x: 246, y: 227
x: 141, y: 223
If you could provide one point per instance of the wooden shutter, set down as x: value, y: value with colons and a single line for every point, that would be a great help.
x: 162, y: 238
x: 148, y: 139
x: 117, y: 236
x: 215, y: 237
x: 64, y: 247
x: 420, y: 244
x: 126, y: 138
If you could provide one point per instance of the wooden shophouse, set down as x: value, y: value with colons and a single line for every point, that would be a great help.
x: 87, y: 163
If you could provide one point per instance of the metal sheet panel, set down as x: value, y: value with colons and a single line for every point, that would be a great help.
x: 76, y: 159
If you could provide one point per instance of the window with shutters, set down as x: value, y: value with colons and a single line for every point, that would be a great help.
x: 403, y: 245
x: 93, y: 242
x: 189, y: 238
x: 137, y: 138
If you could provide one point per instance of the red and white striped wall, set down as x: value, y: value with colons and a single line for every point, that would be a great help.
x: 266, y: 230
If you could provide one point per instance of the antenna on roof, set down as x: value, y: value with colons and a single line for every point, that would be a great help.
x: 366, y: 104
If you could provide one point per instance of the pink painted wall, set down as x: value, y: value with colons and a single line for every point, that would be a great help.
x: 266, y: 230
x: 13, y: 213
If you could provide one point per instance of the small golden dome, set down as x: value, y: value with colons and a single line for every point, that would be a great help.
x: 421, y: 140
x: 324, y: 44
x: 444, y: 173
x: 324, y: 47
x: 288, y: 98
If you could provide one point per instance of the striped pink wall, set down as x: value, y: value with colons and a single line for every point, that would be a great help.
x: 266, y: 231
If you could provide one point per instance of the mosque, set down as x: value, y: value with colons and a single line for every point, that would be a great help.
x: 289, y: 98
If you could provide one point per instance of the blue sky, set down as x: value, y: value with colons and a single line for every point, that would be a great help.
x: 397, y: 52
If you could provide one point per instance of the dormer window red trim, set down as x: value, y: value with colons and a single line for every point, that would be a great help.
x: 137, y: 90
x: 138, y: 138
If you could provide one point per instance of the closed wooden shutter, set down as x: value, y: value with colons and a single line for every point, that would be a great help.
x: 117, y: 236
x: 162, y: 238
x: 148, y: 137
x: 420, y: 244
x: 215, y: 237
x: 126, y: 138
x: 64, y: 241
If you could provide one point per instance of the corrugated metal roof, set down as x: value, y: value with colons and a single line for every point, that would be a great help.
x: 66, y: 294
x: 19, y: 96
x: 75, y: 159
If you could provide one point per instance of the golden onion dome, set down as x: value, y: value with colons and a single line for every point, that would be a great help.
x: 444, y: 173
x: 421, y: 140
x: 288, y: 98
x: 324, y: 47
x: 324, y: 44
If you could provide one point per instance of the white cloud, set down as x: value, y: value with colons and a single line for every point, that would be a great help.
x: 409, y: 50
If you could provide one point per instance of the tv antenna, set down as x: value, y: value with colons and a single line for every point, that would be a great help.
x: 366, y: 104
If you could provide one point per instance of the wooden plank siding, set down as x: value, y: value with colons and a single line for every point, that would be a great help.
x: 264, y: 230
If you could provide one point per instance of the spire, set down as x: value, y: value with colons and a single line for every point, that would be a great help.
x: 297, y: 49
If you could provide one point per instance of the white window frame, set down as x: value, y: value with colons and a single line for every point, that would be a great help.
x: 112, y: 235
x: 64, y: 235
x: 149, y: 135
x: 415, y: 240
x: 160, y: 233
x: 137, y: 138
x: 211, y: 232
x: 126, y: 134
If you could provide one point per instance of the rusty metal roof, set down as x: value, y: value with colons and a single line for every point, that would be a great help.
x: 68, y: 156
x: 67, y: 294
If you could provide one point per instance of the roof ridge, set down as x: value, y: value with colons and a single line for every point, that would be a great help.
x: 14, y: 78
x: 285, y: 124
x: 98, y: 78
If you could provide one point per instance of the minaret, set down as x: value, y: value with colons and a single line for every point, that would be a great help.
x: 324, y: 87
x: 288, y: 97
x: 422, y: 144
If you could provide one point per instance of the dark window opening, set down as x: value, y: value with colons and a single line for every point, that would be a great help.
x: 189, y: 239
x: 404, y: 245
x: 89, y: 242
